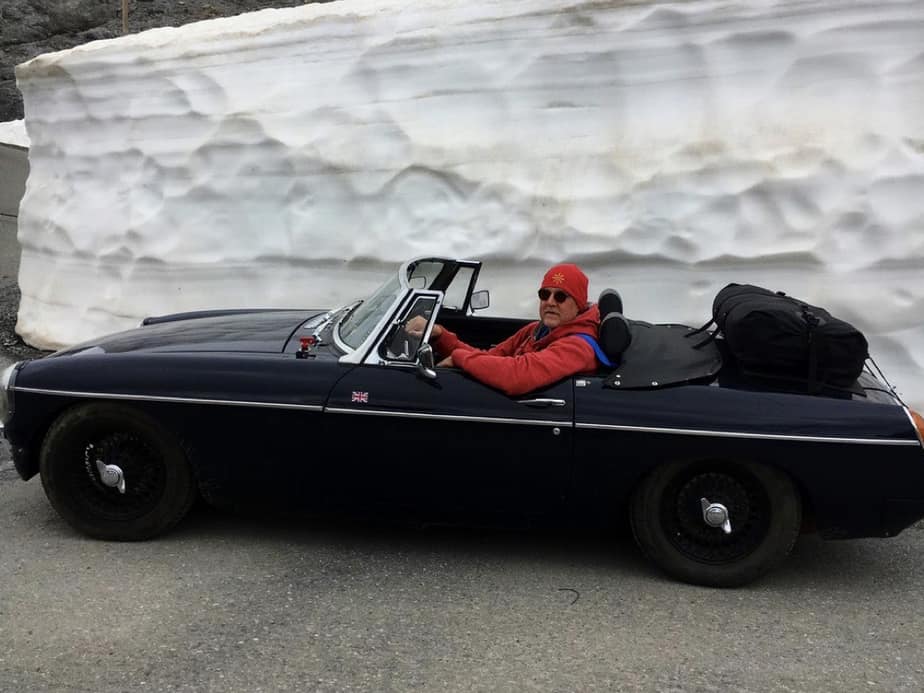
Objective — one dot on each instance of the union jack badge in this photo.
(361, 397)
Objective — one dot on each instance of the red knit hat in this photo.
(570, 279)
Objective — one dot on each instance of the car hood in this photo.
(265, 331)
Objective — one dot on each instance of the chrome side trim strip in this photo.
(178, 400)
(447, 417)
(477, 419)
(758, 436)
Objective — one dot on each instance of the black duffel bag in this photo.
(774, 335)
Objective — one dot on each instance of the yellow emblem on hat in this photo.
(558, 278)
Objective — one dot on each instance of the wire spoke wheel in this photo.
(748, 510)
(715, 522)
(114, 473)
(142, 468)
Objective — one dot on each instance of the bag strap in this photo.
(601, 356)
(700, 330)
(811, 322)
(711, 337)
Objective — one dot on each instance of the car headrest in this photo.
(615, 335)
(609, 302)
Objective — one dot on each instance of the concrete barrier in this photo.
(14, 168)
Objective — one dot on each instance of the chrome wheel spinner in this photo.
(111, 475)
(716, 515)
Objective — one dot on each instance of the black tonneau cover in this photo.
(661, 355)
(667, 354)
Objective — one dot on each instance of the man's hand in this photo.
(446, 363)
(416, 326)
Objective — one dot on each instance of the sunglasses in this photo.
(560, 296)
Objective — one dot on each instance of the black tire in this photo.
(764, 509)
(159, 485)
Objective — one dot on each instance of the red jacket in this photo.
(522, 363)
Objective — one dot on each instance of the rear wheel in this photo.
(716, 523)
(112, 472)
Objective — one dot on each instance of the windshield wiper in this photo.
(347, 311)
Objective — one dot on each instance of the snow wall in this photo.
(295, 157)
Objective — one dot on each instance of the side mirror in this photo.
(480, 300)
(426, 367)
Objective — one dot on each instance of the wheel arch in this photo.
(27, 440)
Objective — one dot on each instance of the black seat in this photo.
(615, 332)
(609, 302)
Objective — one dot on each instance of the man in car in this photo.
(540, 353)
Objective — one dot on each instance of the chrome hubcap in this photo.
(111, 475)
(716, 515)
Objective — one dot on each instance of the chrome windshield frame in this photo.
(361, 353)
(372, 357)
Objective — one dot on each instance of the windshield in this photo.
(358, 324)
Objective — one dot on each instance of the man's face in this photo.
(554, 312)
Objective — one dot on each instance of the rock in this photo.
(31, 27)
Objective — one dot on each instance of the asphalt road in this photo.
(234, 603)
(231, 603)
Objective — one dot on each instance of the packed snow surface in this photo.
(295, 157)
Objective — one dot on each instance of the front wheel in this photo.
(716, 523)
(112, 472)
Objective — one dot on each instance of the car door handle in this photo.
(542, 402)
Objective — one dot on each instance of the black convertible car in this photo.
(717, 472)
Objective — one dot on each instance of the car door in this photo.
(450, 443)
